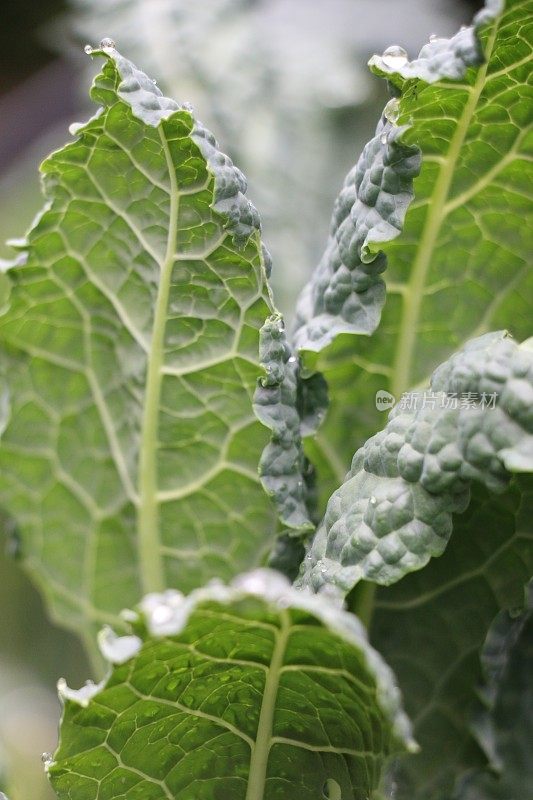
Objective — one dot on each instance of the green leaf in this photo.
(346, 293)
(394, 511)
(460, 266)
(293, 407)
(432, 625)
(249, 692)
(283, 464)
(506, 726)
(131, 353)
(440, 59)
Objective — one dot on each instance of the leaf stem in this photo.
(261, 749)
(412, 299)
(150, 557)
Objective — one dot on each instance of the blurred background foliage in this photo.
(284, 86)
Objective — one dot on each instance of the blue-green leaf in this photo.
(394, 511)
(461, 264)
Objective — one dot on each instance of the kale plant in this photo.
(168, 447)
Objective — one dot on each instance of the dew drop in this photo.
(106, 42)
(392, 110)
(394, 56)
(433, 37)
(47, 760)
(292, 360)
(154, 81)
(383, 138)
(74, 128)
(88, 49)
(373, 501)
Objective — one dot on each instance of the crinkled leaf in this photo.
(346, 293)
(394, 511)
(441, 58)
(460, 266)
(293, 407)
(131, 352)
(431, 627)
(248, 692)
(283, 463)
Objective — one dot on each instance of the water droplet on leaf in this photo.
(88, 49)
(394, 56)
(46, 759)
(392, 110)
(106, 42)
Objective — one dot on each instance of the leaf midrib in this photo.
(413, 297)
(150, 556)
(263, 739)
